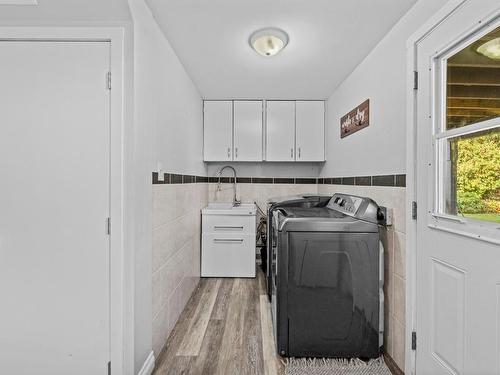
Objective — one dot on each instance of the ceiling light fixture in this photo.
(268, 42)
(490, 49)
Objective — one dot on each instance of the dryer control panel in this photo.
(360, 207)
(345, 203)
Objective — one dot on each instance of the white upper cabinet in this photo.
(233, 130)
(218, 130)
(310, 131)
(280, 131)
(247, 131)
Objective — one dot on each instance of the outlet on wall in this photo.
(159, 167)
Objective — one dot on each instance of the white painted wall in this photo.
(381, 77)
(169, 129)
(169, 102)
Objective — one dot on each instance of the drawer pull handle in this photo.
(228, 240)
(227, 227)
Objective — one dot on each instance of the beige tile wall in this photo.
(176, 248)
(176, 252)
(394, 243)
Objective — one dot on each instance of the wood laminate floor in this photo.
(225, 328)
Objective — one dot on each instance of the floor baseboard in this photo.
(148, 366)
(393, 367)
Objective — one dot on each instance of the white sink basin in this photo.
(227, 208)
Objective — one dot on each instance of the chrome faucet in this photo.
(236, 202)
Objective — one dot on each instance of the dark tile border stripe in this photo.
(281, 180)
(363, 181)
(262, 180)
(394, 180)
(347, 180)
(401, 180)
(176, 179)
(311, 181)
(386, 180)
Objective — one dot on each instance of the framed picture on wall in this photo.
(355, 120)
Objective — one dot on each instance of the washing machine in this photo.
(327, 281)
(304, 201)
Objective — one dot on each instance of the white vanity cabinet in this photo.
(228, 240)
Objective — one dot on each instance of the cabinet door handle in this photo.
(229, 152)
(216, 227)
(299, 152)
(291, 153)
(228, 240)
(236, 149)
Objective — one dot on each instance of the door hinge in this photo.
(414, 210)
(108, 78)
(414, 340)
(415, 80)
(108, 226)
(109, 368)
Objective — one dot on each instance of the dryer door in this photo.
(333, 294)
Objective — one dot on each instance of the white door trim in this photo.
(122, 297)
(411, 226)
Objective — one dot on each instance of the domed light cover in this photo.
(490, 49)
(268, 42)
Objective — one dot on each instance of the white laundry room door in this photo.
(458, 194)
(54, 205)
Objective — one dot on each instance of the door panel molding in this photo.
(448, 282)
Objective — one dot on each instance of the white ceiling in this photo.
(328, 38)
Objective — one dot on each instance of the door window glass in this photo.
(468, 139)
(473, 164)
(473, 82)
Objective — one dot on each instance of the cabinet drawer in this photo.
(228, 255)
(228, 224)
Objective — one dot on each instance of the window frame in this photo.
(485, 230)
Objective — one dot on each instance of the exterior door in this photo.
(310, 137)
(458, 191)
(54, 205)
(248, 130)
(218, 130)
(280, 127)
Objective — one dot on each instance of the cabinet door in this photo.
(280, 131)
(310, 128)
(247, 131)
(218, 130)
